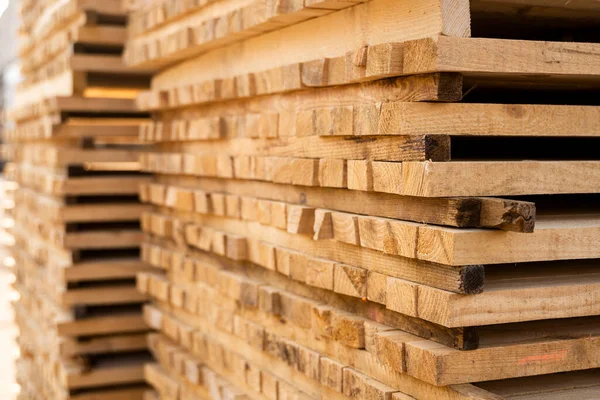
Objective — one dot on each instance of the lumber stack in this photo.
(379, 199)
(74, 155)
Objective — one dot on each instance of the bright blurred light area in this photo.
(9, 262)
(3, 6)
(14, 296)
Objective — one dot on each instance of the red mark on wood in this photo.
(556, 356)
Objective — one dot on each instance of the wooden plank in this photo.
(76, 127)
(64, 157)
(51, 209)
(205, 214)
(67, 103)
(436, 364)
(32, 243)
(558, 295)
(60, 157)
(303, 306)
(104, 344)
(499, 178)
(508, 215)
(114, 238)
(102, 212)
(394, 148)
(508, 58)
(101, 63)
(102, 186)
(429, 87)
(573, 384)
(437, 358)
(463, 279)
(103, 295)
(46, 20)
(61, 85)
(411, 118)
(125, 374)
(442, 53)
(555, 238)
(554, 292)
(157, 377)
(102, 325)
(270, 385)
(407, 383)
(362, 175)
(102, 35)
(452, 212)
(432, 362)
(106, 269)
(437, 17)
(82, 127)
(255, 54)
(459, 212)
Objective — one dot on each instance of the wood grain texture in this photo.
(480, 56)
(406, 21)
(498, 178)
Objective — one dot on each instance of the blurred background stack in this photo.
(73, 150)
(376, 199)
(8, 329)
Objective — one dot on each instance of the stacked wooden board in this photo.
(384, 199)
(74, 154)
(8, 330)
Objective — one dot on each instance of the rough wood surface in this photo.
(552, 240)
(331, 192)
(499, 178)
(74, 149)
(449, 17)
